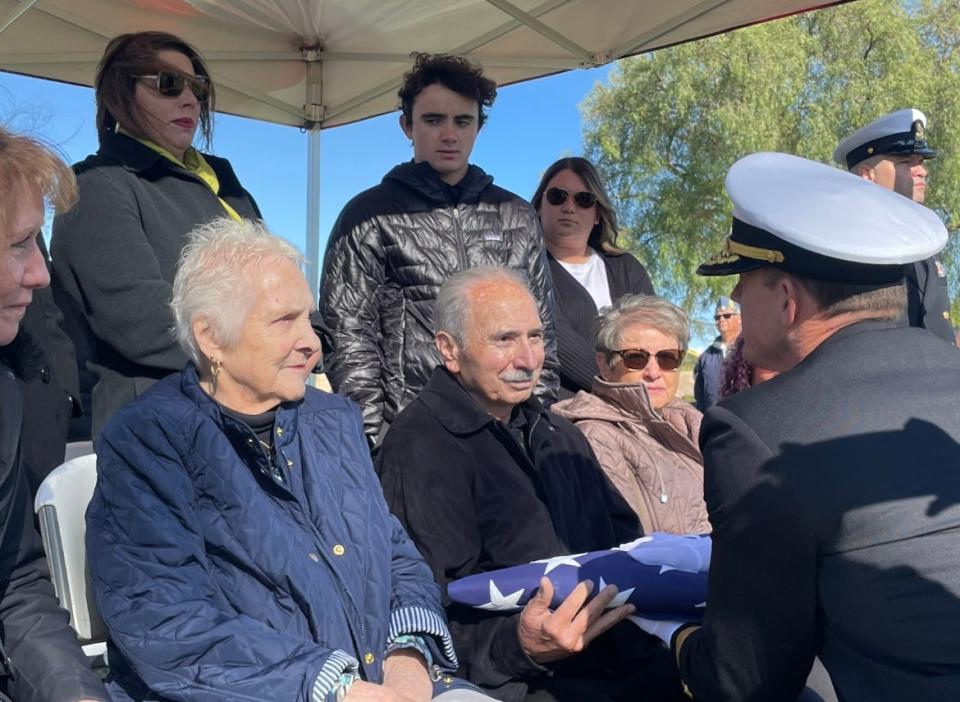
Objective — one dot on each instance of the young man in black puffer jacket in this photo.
(395, 244)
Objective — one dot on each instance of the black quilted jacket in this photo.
(390, 250)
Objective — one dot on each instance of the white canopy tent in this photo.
(322, 63)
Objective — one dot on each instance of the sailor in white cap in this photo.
(834, 488)
(891, 151)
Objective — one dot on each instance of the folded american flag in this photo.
(664, 576)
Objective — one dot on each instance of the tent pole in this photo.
(15, 13)
(313, 209)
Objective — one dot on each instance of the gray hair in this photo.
(644, 310)
(213, 278)
(453, 300)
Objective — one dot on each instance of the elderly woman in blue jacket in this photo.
(240, 546)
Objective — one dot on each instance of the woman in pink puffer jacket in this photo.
(644, 437)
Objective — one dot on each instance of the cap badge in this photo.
(918, 131)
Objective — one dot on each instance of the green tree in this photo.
(669, 124)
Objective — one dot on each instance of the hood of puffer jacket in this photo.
(425, 180)
(629, 402)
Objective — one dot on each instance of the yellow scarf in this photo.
(194, 162)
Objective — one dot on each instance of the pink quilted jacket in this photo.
(652, 459)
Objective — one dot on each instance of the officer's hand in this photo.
(549, 635)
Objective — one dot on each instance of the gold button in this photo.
(339, 550)
(279, 431)
(946, 315)
(289, 463)
(368, 659)
(447, 680)
(314, 557)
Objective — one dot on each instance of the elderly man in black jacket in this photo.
(483, 477)
(41, 661)
(394, 245)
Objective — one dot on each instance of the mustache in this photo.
(518, 376)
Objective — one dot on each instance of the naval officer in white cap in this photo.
(891, 151)
(834, 488)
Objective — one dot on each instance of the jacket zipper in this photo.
(461, 244)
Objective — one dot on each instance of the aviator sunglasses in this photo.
(637, 359)
(725, 315)
(171, 84)
(583, 199)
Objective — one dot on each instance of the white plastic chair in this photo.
(75, 449)
(61, 504)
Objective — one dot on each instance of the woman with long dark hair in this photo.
(589, 271)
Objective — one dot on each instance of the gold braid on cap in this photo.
(754, 252)
(732, 251)
(725, 255)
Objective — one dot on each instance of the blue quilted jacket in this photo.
(216, 583)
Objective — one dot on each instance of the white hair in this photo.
(213, 278)
(640, 310)
(454, 298)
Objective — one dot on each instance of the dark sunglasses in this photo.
(583, 199)
(171, 84)
(637, 359)
(727, 315)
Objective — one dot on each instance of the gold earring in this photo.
(217, 366)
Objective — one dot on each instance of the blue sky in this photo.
(530, 126)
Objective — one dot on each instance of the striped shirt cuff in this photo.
(332, 676)
(422, 621)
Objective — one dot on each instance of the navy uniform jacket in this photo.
(834, 494)
(928, 300)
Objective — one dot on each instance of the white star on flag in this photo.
(558, 561)
(622, 595)
(632, 544)
(499, 601)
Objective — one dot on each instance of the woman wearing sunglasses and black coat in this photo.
(644, 437)
(588, 270)
(115, 253)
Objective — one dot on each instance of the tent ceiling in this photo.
(330, 62)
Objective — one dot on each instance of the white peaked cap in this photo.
(900, 132)
(821, 222)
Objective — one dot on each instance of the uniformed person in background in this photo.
(891, 151)
(834, 488)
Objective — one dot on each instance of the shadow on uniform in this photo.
(888, 535)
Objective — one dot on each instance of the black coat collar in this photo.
(457, 411)
(130, 153)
